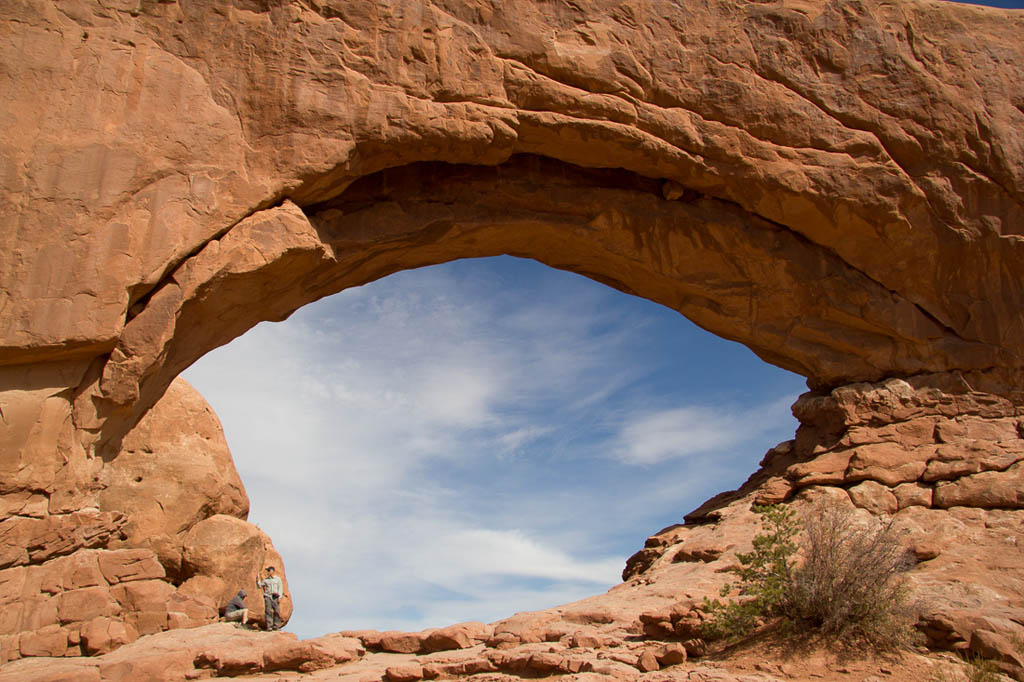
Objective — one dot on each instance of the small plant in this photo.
(764, 575)
(982, 670)
(845, 586)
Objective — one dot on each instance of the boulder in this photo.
(401, 642)
(132, 564)
(990, 489)
(459, 636)
(234, 552)
(672, 653)
(103, 635)
(407, 672)
(167, 479)
(995, 646)
(913, 494)
(874, 497)
(648, 661)
(887, 463)
(86, 603)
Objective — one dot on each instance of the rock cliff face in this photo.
(837, 185)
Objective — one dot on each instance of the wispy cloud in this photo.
(680, 432)
(462, 442)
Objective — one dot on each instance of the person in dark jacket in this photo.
(235, 610)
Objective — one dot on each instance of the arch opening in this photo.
(471, 440)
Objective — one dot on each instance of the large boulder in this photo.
(222, 555)
(173, 471)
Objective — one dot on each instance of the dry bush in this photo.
(842, 581)
(849, 584)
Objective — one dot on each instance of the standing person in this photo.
(272, 588)
(235, 610)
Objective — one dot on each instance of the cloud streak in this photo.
(681, 432)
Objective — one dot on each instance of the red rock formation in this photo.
(168, 503)
(167, 479)
(836, 185)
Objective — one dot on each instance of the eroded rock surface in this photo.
(174, 470)
(154, 539)
(837, 185)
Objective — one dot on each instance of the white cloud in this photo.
(486, 552)
(670, 434)
(513, 440)
(681, 432)
(457, 395)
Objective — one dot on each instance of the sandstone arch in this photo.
(836, 185)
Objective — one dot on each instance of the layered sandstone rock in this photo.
(174, 470)
(939, 461)
(848, 209)
(151, 540)
(836, 185)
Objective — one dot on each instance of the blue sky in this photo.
(479, 438)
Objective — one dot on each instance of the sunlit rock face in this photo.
(838, 186)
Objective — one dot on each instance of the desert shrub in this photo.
(846, 583)
(849, 581)
(982, 670)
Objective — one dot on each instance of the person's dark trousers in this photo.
(273, 614)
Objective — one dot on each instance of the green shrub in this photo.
(764, 575)
(846, 584)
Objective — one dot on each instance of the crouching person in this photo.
(235, 610)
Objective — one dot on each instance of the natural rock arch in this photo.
(836, 185)
(897, 217)
(748, 279)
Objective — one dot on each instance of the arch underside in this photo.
(795, 303)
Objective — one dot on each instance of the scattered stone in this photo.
(647, 662)
(673, 653)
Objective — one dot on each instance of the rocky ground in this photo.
(618, 635)
(223, 651)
